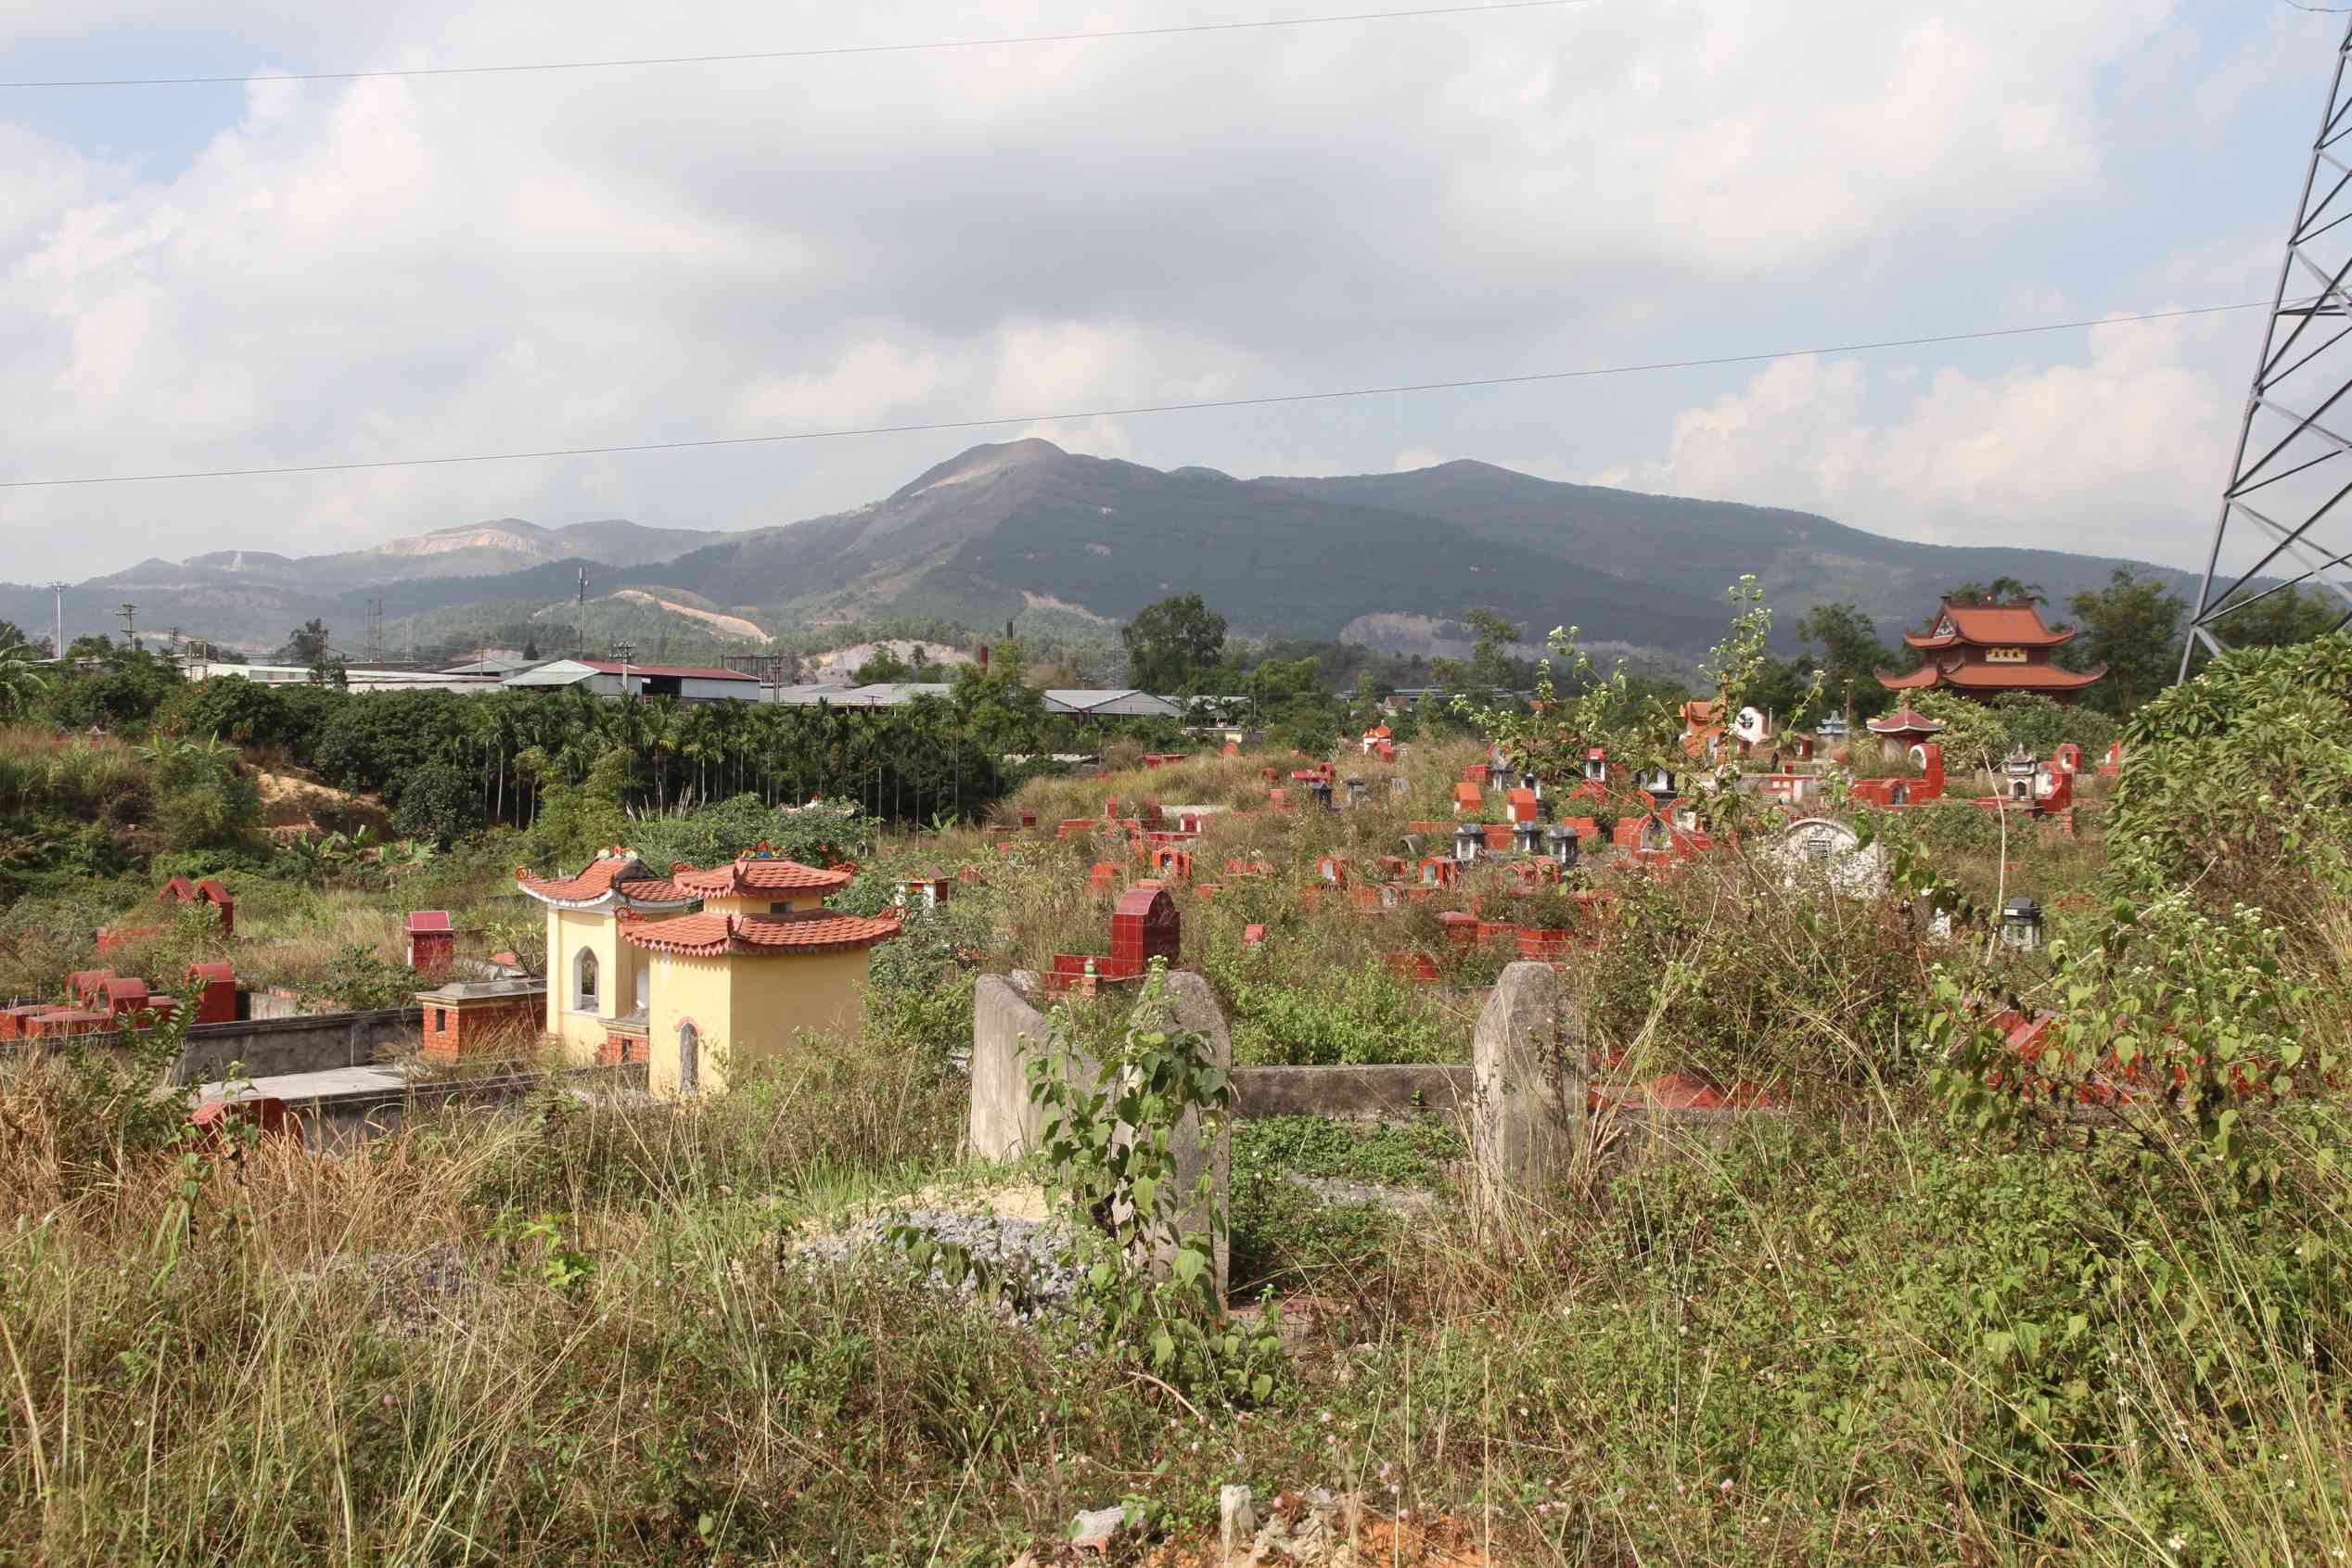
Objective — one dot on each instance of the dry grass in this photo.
(573, 1333)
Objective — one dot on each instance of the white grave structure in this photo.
(1818, 852)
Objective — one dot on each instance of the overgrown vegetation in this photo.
(2079, 1300)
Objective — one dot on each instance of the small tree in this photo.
(2134, 627)
(1171, 645)
(442, 802)
(1111, 1140)
(307, 645)
(1848, 652)
(1641, 730)
(20, 680)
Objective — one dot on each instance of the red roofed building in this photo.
(1901, 729)
(1984, 650)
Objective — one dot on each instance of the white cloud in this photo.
(459, 264)
(874, 374)
(2121, 453)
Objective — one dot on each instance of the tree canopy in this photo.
(1845, 645)
(307, 645)
(1172, 645)
(1999, 590)
(2274, 621)
(2134, 626)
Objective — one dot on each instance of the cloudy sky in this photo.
(285, 273)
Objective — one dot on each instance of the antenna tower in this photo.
(2279, 488)
(57, 649)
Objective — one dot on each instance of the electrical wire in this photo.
(1268, 401)
(827, 52)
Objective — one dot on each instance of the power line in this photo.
(1265, 401)
(829, 52)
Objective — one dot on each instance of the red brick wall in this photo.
(619, 1050)
(485, 1028)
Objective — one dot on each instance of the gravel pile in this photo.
(1026, 1264)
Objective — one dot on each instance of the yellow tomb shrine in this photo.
(633, 977)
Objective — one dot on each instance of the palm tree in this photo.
(19, 682)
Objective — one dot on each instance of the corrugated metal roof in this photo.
(561, 672)
(1126, 702)
(683, 671)
(807, 695)
(890, 693)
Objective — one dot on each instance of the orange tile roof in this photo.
(614, 873)
(1904, 720)
(1963, 676)
(2026, 677)
(1991, 625)
(805, 931)
(761, 870)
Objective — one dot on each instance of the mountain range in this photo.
(1025, 528)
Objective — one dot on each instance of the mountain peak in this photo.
(510, 534)
(984, 462)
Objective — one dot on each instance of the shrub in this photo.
(1548, 909)
(1359, 1014)
(2239, 784)
(2041, 725)
(362, 979)
(441, 802)
(2196, 1032)
(823, 833)
(1723, 970)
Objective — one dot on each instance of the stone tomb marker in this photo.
(1528, 1090)
(1821, 852)
(1005, 1124)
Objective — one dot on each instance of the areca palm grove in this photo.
(910, 763)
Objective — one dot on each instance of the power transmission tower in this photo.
(2280, 488)
(130, 624)
(375, 632)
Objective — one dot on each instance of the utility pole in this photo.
(130, 624)
(58, 650)
(622, 651)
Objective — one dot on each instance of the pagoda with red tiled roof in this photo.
(1984, 650)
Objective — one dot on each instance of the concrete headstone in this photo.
(1006, 1032)
(1527, 1123)
(1819, 852)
